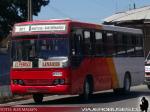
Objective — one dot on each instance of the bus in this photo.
(63, 56)
(147, 70)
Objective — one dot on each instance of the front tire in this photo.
(38, 98)
(118, 90)
(87, 90)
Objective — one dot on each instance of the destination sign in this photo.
(49, 64)
(22, 64)
(22, 28)
(40, 28)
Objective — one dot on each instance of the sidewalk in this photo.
(14, 98)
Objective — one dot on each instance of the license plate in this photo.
(35, 90)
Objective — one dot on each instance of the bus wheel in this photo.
(117, 90)
(127, 83)
(148, 86)
(87, 90)
(38, 98)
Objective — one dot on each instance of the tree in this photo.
(13, 11)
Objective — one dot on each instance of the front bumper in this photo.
(58, 89)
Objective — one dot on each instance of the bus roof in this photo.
(73, 22)
(122, 29)
(43, 21)
(83, 24)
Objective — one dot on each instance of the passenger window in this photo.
(139, 46)
(98, 43)
(110, 48)
(87, 43)
(130, 45)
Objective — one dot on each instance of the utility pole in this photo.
(29, 5)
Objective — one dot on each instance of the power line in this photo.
(60, 12)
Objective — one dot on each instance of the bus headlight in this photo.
(59, 81)
(57, 73)
(56, 81)
(15, 82)
(20, 82)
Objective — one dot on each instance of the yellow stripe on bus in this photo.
(113, 72)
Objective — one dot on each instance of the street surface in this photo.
(105, 99)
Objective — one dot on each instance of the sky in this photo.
(93, 11)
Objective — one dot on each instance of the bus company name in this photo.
(40, 28)
(22, 64)
(46, 64)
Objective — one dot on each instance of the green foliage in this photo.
(13, 11)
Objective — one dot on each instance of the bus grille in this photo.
(38, 82)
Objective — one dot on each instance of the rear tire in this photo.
(38, 98)
(127, 84)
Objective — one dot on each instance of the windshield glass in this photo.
(44, 48)
(24, 49)
(53, 48)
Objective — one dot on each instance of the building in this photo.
(136, 18)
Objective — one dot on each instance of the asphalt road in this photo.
(102, 101)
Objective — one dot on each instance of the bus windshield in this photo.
(53, 48)
(43, 48)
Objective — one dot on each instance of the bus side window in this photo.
(78, 47)
(98, 43)
(120, 51)
(110, 48)
(76, 42)
(115, 43)
(124, 43)
(87, 43)
(130, 45)
(139, 46)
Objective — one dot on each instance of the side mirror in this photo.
(73, 52)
